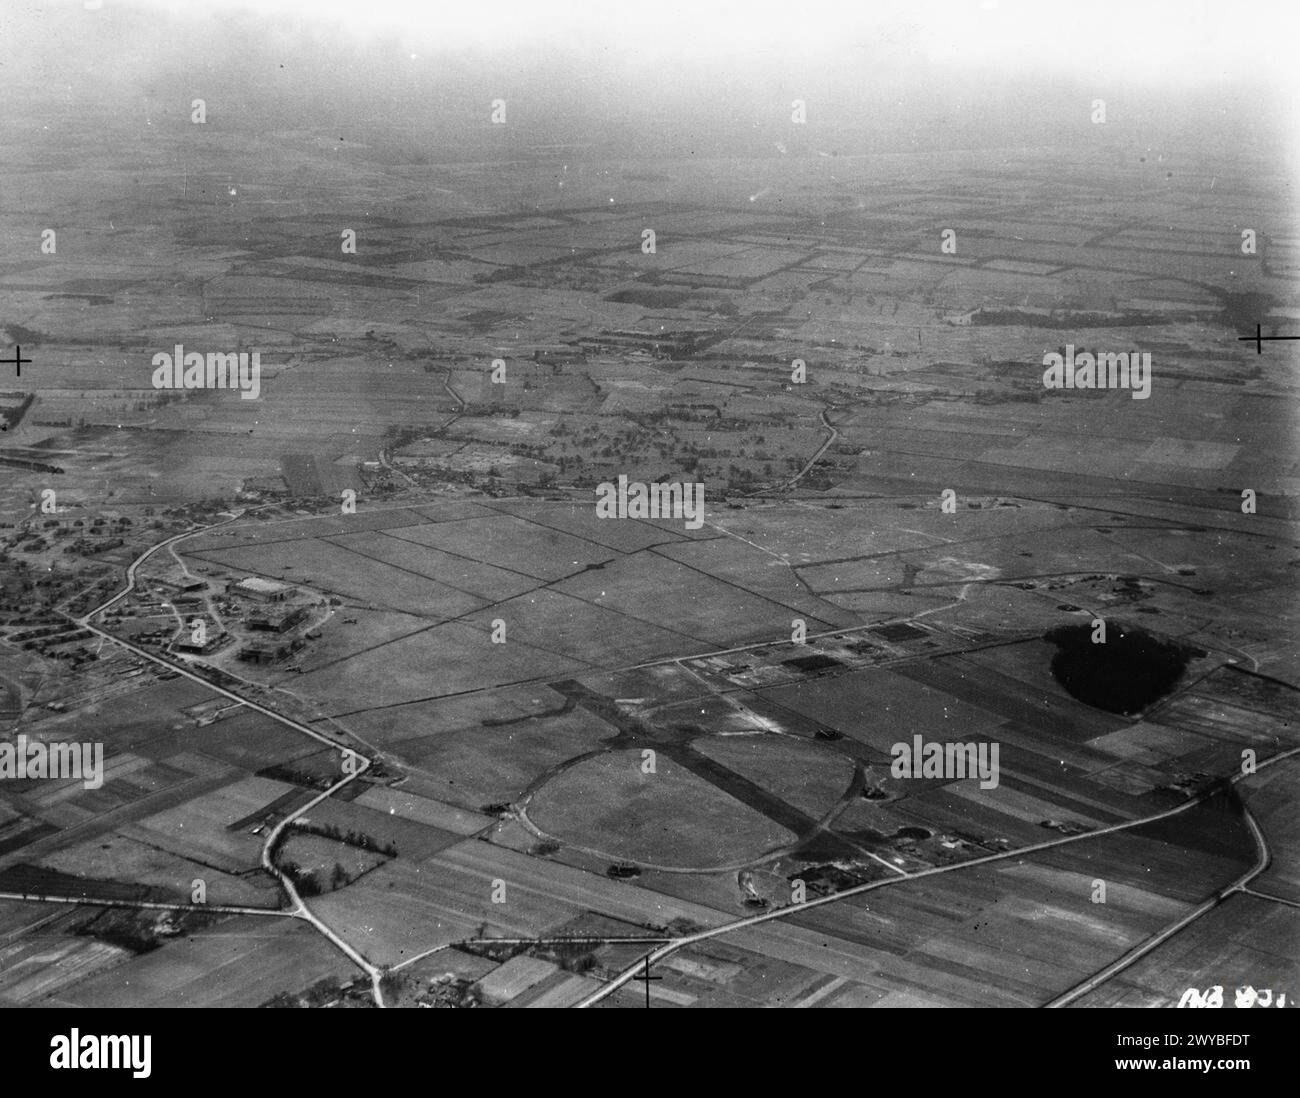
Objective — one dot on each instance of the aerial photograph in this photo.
(606, 505)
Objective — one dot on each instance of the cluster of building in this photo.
(272, 617)
(270, 614)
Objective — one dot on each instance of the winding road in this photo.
(361, 764)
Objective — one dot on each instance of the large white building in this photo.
(259, 589)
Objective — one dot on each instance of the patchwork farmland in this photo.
(959, 690)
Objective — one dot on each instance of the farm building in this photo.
(272, 649)
(276, 621)
(259, 589)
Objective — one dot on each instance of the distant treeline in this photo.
(1005, 317)
(34, 466)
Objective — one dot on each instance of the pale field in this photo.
(240, 962)
(469, 765)
(670, 818)
(444, 659)
(808, 776)
(120, 858)
(198, 828)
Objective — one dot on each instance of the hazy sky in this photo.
(1184, 40)
(882, 75)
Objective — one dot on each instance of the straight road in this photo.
(755, 920)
